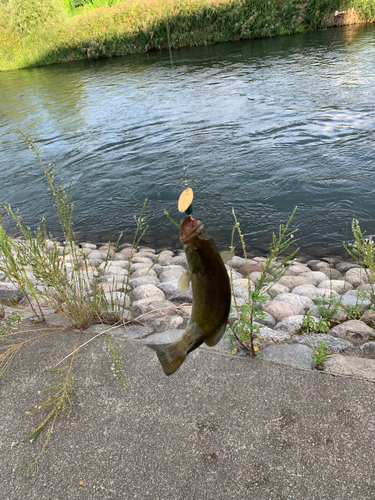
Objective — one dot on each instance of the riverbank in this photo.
(137, 27)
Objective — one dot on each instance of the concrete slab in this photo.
(221, 427)
(350, 365)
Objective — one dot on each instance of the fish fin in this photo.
(215, 337)
(183, 282)
(169, 356)
(226, 255)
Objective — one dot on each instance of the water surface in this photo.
(263, 126)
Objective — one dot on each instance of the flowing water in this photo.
(263, 126)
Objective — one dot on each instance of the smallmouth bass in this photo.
(211, 297)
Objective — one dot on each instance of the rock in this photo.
(352, 366)
(368, 349)
(296, 300)
(171, 273)
(297, 355)
(148, 290)
(297, 269)
(270, 336)
(96, 254)
(91, 246)
(180, 260)
(314, 277)
(281, 309)
(7, 286)
(149, 307)
(165, 337)
(117, 299)
(356, 276)
(111, 286)
(317, 265)
(314, 293)
(342, 267)
(139, 259)
(243, 283)
(268, 321)
(290, 325)
(368, 317)
(161, 323)
(139, 265)
(353, 330)
(276, 289)
(2, 276)
(143, 280)
(332, 274)
(339, 286)
(335, 345)
(172, 292)
(353, 301)
(332, 260)
(10, 296)
(294, 281)
(133, 332)
(143, 272)
(126, 252)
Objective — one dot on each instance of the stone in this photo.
(276, 289)
(172, 292)
(335, 345)
(139, 259)
(268, 321)
(161, 323)
(165, 337)
(317, 266)
(296, 269)
(352, 330)
(148, 290)
(368, 349)
(368, 317)
(143, 280)
(353, 301)
(314, 277)
(270, 336)
(282, 309)
(332, 260)
(139, 265)
(96, 254)
(297, 355)
(149, 307)
(356, 276)
(10, 296)
(143, 249)
(2, 276)
(126, 252)
(339, 286)
(180, 260)
(290, 325)
(143, 272)
(351, 366)
(133, 332)
(117, 298)
(171, 273)
(296, 300)
(90, 246)
(342, 267)
(332, 273)
(294, 281)
(314, 293)
(7, 286)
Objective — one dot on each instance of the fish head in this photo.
(198, 245)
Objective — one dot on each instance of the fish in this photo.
(211, 297)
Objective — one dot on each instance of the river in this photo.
(262, 125)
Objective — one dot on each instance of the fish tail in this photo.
(170, 356)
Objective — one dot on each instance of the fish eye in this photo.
(196, 250)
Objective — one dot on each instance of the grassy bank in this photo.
(69, 34)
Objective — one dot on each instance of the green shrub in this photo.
(28, 15)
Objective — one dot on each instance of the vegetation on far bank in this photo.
(36, 33)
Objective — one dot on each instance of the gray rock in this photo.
(290, 325)
(353, 301)
(314, 293)
(339, 286)
(270, 336)
(4, 285)
(148, 290)
(268, 321)
(117, 299)
(294, 281)
(171, 273)
(235, 274)
(148, 308)
(281, 309)
(296, 300)
(356, 276)
(133, 332)
(317, 265)
(353, 330)
(172, 292)
(161, 323)
(332, 260)
(276, 289)
(180, 260)
(297, 269)
(143, 280)
(314, 277)
(143, 272)
(10, 296)
(350, 365)
(332, 273)
(335, 345)
(297, 355)
(136, 266)
(2, 276)
(96, 254)
(165, 337)
(141, 259)
(368, 349)
(342, 267)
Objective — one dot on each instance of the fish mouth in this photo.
(189, 228)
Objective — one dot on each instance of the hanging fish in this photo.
(211, 296)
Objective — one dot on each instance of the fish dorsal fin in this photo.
(216, 337)
(183, 282)
(226, 255)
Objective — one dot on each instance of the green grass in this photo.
(92, 32)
